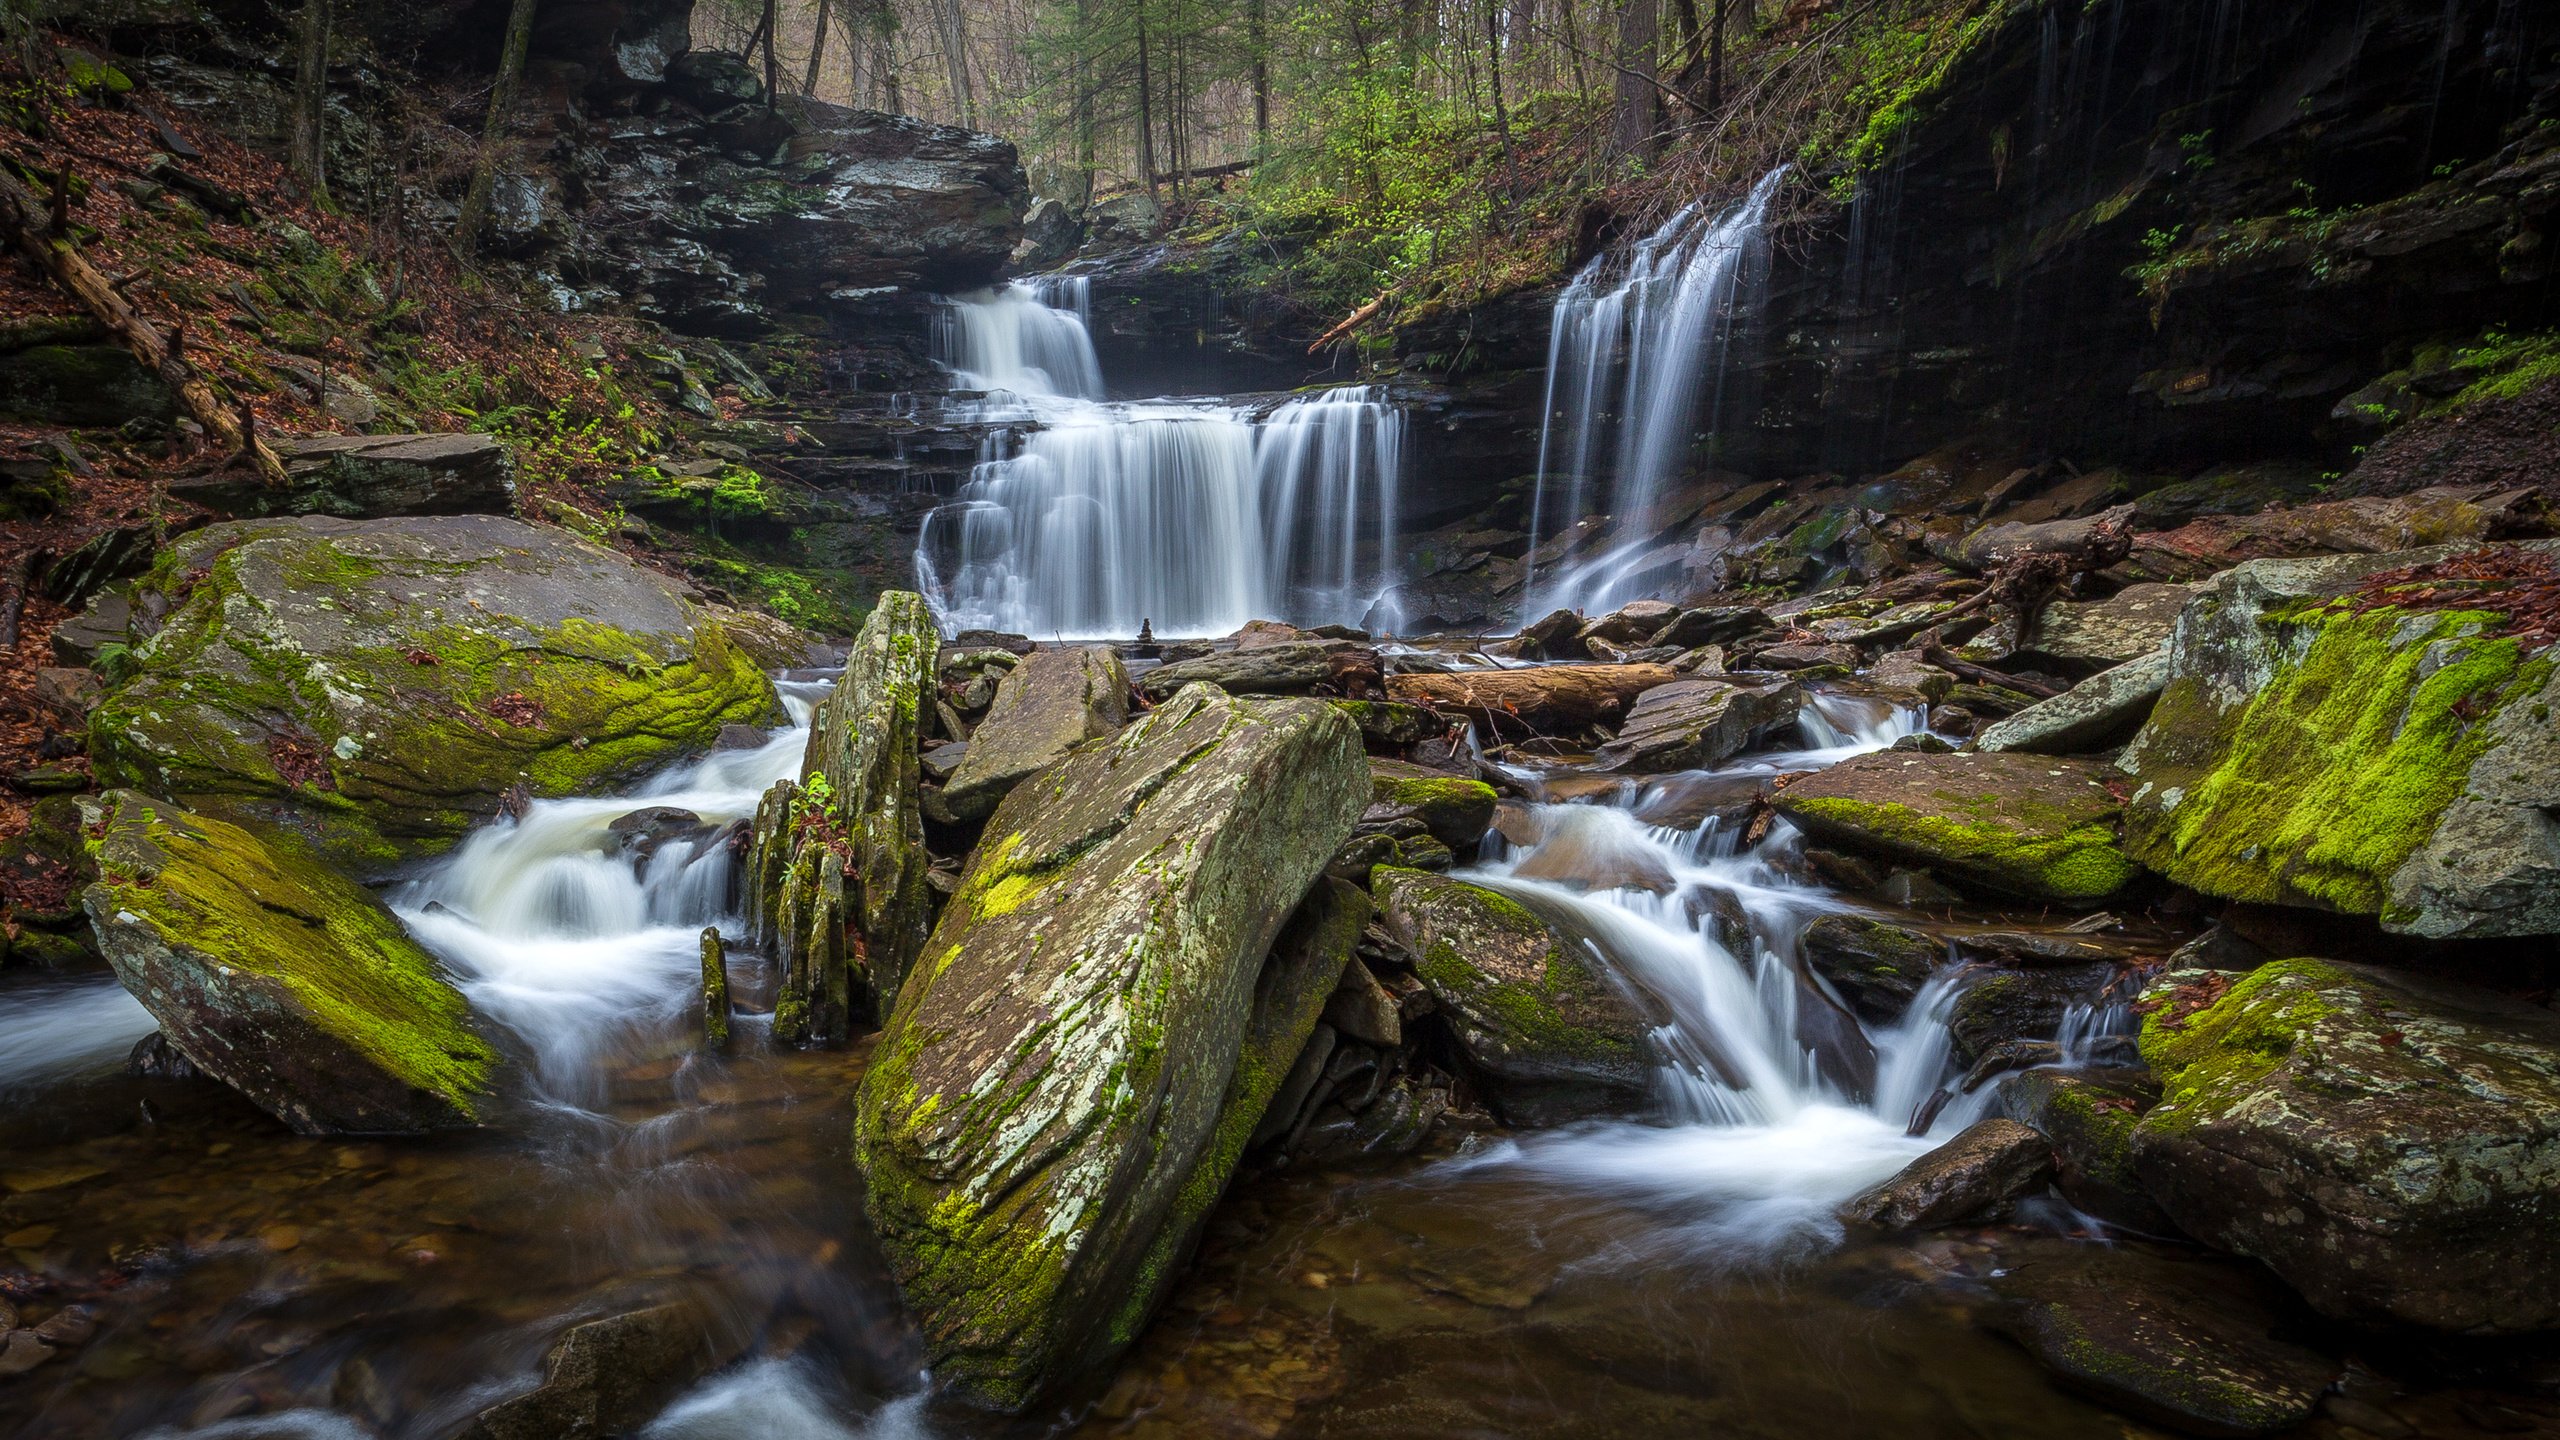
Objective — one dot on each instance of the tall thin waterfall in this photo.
(1632, 351)
(1084, 518)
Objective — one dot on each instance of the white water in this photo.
(782, 1400)
(1632, 351)
(1761, 1140)
(1085, 519)
(55, 1031)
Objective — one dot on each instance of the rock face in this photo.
(1046, 1118)
(2324, 741)
(2389, 1146)
(377, 686)
(369, 477)
(1976, 1176)
(2108, 707)
(2016, 824)
(277, 977)
(1698, 724)
(1052, 702)
(1537, 1018)
(837, 865)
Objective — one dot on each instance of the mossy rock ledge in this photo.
(2030, 826)
(2390, 1146)
(1062, 1091)
(377, 686)
(2366, 758)
(279, 977)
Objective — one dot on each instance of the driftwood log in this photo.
(1543, 699)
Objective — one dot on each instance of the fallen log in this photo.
(1541, 700)
(1351, 322)
(26, 223)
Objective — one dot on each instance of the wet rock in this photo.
(1629, 625)
(1686, 801)
(643, 833)
(1004, 640)
(68, 1328)
(1557, 634)
(1876, 966)
(1286, 1064)
(1055, 700)
(739, 737)
(378, 686)
(2015, 824)
(715, 991)
(1295, 667)
(154, 1058)
(2106, 709)
(2001, 1007)
(1048, 234)
(2386, 761)
(2385, 1143)
(1549, 1031)
(1262, 634)
(2133, 623)
(1591, 848)
(607, 1377)
(1546, 699)
(1698, 724)
(280, 979)
(1976, 1176)
(370, 477)
(2191, 1344)
(1047, 1115)
(1387, 725)
(1456, 812)
(21, 1352)
(1361, 1009)
(2090, 1116)
(1794, 656)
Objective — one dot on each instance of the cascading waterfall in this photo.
(1086, 519)
(1651, 339)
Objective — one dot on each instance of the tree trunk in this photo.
(1638, 113)
(502, 103)
(772, 28)
(29, 225)
(1715, 58)
(1257, 39)
(955, 50)
(817, 50)
(1544, 700)
(1146, 108)
(311, 102)
(1501, 116)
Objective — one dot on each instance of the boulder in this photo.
(1125, 220)
(1549, 1031)
(2105, 709)
(2332, 736)
(1294, 667)
(609, 1376)
(1048, 234)
(1876, 966)
(2364, 525)
(2126, 626)
(1993, 546)
(1998, 1007)
(377, 686)
(1977, 1175)
(2090, 1116)
(2041, 829)
(2389, 1145)
(1055, 700)
(1712, 625)
(88, 385)
(271, 973)
(2191, 1343)
(369, 477)
(1699, 724)
(78, 639)
(1387, 725)
(1545, 699)
(1455, 811)
(1048, 1113)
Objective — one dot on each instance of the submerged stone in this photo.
(281, 979)
(1056, 1097)
(2042, 829)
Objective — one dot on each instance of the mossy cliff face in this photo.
(2026, 825)
(2378, 761)
(280, 978)
(1553, 1034)
(1061, 1059)
(2388, 1146)
(377, 686)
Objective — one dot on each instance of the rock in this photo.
(1388, 725)
(1048, 234)
(607, 1377)
(2090, 1116)
(1905, 670)
(776, 644)
(21, 1352)
(739, 737)
(78, 639)
(1558, 633)
(1052, 702)
(69, 1327)
(1713, 625)
(369, 477)
(1699, 724)
(642, 833)
(280, 979)
(1004, 640)
(1590, 848)
(1262, 634)
(1362, 1009)
(1124, 220)
(2020, 825)
(1632, 624)
(2132, 624)
(1457, 812)
(836, 867)
(2103, 710)
(1047, 1116)
(1802, 657)
(2390, 761)
(2365, 525)
(1877, 967)
(1997, 1008)
(2385, 1143)
(377, 686)
(2187, 1343)
(1976, 1176)
(1290, 668)
(82, 385)
(154, 1058)
(1549, 1031)
(68, 695)
(715, 991)
(1993, 546)
(1545, 699)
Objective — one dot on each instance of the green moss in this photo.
(2338, 769)
(1533, 1015)
(2005, 848)
(2212, 1059)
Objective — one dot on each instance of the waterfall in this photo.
(53, 1031)
(1653, 340)
(1085, 518)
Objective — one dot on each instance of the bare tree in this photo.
(817, 49)
(1638, 112)
(502, 103)
(310, 149)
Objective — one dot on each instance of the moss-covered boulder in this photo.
(2389, 1146)
(280, 978)
(1456, 810)
(1551, 1032)
(1048, 1111)
(2023, 825)
(2090, 1115)
(1055, 700)
(378, 686)
(2363, 733)
(1876, 966)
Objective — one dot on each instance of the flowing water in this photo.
(1087, 518)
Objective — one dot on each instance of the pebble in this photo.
(23, 1352)
(70, 1327)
